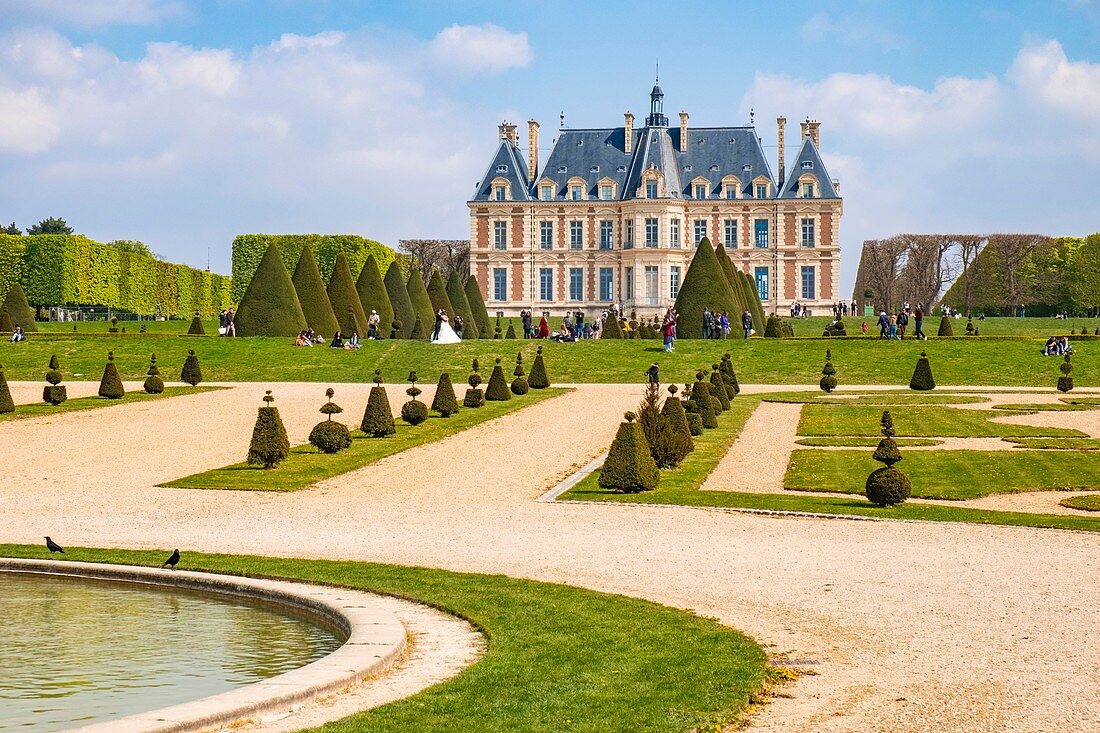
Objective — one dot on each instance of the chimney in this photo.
(815, 133)
(805, 129)
(532, 150)
(683, 131)
(781, 123)
(507, 131)
(629, 133)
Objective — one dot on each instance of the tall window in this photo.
(629, 234)
(700, 230)
(576, 283)
(605, 192)
(673, 281)
(546, 193)
(500, 283)
(546, 234)
(761, 190)
(808, 288)
(607, 234)
(674, 233)
(700, 191)
(808, 233)
(762, 282)
(760, 229)
(499, 193)
(546, 283)
(500, 234)
(651, 232)
(576, 193)
(651, 189)
(576, 234)
(629, 285)
(807, 190)
(731, 191)
(730, 229)
(606, 290)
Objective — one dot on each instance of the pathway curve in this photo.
(757, 460)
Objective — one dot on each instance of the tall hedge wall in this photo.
(249, 248)
(68, 269)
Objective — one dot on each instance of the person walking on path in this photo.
(918, 321)
(653, 373)
(372, 325)
(883, 325)
(903, 322)
(746, 324)
(668, 330)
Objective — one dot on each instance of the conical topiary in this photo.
(19, 310)
(196, 329)
(729, 377)
(477, 306)
(945, 327)
(437, 294)
(1065, 382)
(310, 288)
(718, 387)
(695, 423)
(629, 468)
(497, 333)
(153, 383)
(828, 373)
(497, 391)
(414, 411)
(345, 300)
(739, 303)
(329, 436)
(417, 331)
(752, 295)
(519, 384)
(399, 299)
(649, 416)
(191, 372)
(705, 286)
(54, 392)
(970, 325)
(421, 303)
(270, 305)
(110, 386)
(511, 330)
(701, 396)
(475, 396)
(456, 294)
(611, 328)
(372, 294)
(270, 445)
(922, 374)
(378, 418)
(7, 325)
(674, 440)
(538, 378)
(7, 404)
(445, 402)
(887, 486)
(774, 327)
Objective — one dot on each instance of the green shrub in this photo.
(629, 468)
(774, 328)
(611, 328)
(421, 303)
(310, 289)
(828, 373)
(1065, 382)
(20, 311)
(922, 375)
(270, 445)
(417, 331)
(887, 486)
(477, 305)
(437, 294)
(701, 396)
(519, 384)
(7, 325)
(196, 329)
(153, 383)
(373, 296)
(378, 418)
(414, 411)
(54, 393)
(457, 295)
(511, 331)
(649, 416)
(729, 377)
(945, 327)
(403, 311)
(270, 306)
(695, 423)
(970, 325)
(7, 404)
(475, 396)
(110, 386)
(328, 436)
(445, 402)
(674, 439)
(191, 372)
(739, 302)
(497, 391)
(538, 378)
(345, 300)
(705, 286)
(718, 388)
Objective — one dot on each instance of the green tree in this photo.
(477, 306)
(373, 295)
(456, 294)
(11, 229)
(310, 289)
(191, 372)
(1085, 276)
(421, 303)
(133, 246)
(344, 298)
(270, 306)
(403, 311)
(629, 468)
(269, 445)
(705, 286)
(53, 225)
(437, 294)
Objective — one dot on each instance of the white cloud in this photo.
(90, 13)
(482, 48)
(295, 42)
(1044, 73)
(27, 123)
(851, 31)
(169, 66)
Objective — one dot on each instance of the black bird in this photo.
(171, 562)
(53, 546)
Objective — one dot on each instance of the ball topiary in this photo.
(414, 411)
(114, 325)
(718, 388)
(511, 331)
(701, 396)
(887, 486)
(54, 393)
(945, 327)
(153, 383)
(329, 436)
(191, 372)
(270, 444)
(1065, 382)
(110, 385)
(378, 418)
(475, 396)
(674, 438)
(922, 375)
(828, 373)
(497, 391)
(196, 329)
(444, 401)
(538, 378)
(729, 377)
(629, 467)
(496, 330)
(7, 404)
(519, 384)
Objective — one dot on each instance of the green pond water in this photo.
(75, 651)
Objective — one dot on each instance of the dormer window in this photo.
(563, 169)
(499, 193)
(651, 189)
(605, 192)
(807, 165)
(576, 193)
(700, 191)
(502, 169)
(546, 192)
(500, 190)
(761, 190)
(747, 167)
(594, 169)
(807, 190)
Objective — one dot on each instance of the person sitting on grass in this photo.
(302, 340)
(863, 328)
(1051, 347)
(337, 341)
(564, 335)
(353, 342)
(18, 335)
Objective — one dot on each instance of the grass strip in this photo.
(1057, 443)
(873, 398)
(559, 658)
(1046, 407)
(305, 465)
(919, 421)
(1087, 502)
(79, 404)
(848, 442)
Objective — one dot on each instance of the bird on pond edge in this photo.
(171, 561)
(53, 546)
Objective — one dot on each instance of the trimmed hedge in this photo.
(345, 299)
(270, 306)
(403, 311)
(372, 294)
(705, 286)
(471, 329)
(629, 468)
(310, 288)
(477, 306)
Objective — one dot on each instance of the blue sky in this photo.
(183, 123)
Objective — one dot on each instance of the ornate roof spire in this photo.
(656, 104)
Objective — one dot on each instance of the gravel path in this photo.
(909, 626)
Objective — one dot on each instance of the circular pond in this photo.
(77, 651)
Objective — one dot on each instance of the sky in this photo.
(182, 123)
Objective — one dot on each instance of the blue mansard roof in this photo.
(508, 164)
(808, 161)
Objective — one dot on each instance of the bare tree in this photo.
(969, 246)
(1012, 263)
(880, 266)
(446, 255)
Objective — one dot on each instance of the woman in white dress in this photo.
(447, 334)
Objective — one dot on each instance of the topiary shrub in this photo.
(6, 323)
(456, 293)
(395, 329)
(649, 416)
(519, 384)
(718, 388)
(945, 327)
(828, 373)
(114, 326)
(705, 285)
(19, 310)
(270, 445)
(835, 329)
(345, 298)
(192, 372)
(403, 312)
(497, 391)
(477, 305)
(270, 304)
(695, 423)
(378, 418)
(611, 328)
(475, 396)
(1065, 382)
(7, 404)
(417, 330)
(538, 378)
(110, 385)
(328, 436)
(374, 296)
(701, 396)
(310, 289)
(414, 411)
(196, 329)
(437, 294)
(444, 401)
(496, 330)
(511, 330)
(922, 375)
(153, 383)
(674, 438)
(774, 328)
(970, 325)
(887, 486)
(629, 468)
(418, 297)
(54, 393)
(729, 377)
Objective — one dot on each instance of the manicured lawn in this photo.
(946, 474)
(931, 422)
(993, 326)
(1057, 443)
(1045, 406)
(306, 465)
(1089, 503)
(863, 442)
(886, 398)
(757, 361)
(91, 328)
(91, 403)
(559, 658)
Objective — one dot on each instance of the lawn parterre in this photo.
(919, 421)
(559, 658)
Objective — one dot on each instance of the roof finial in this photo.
(657, 78)
(752, 116)
(561, 120)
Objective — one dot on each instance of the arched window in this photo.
(731, 187)
(501, 190)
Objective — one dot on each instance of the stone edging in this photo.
(375, 640)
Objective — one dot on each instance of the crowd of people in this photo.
(226, 325)
(893, 326)
(311, 338)
(841, 309)
(1057, 346)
